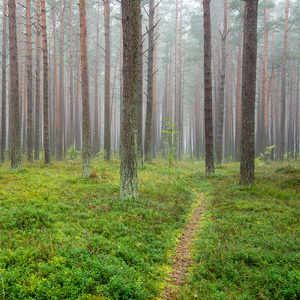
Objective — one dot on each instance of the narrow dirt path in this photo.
(182, 261)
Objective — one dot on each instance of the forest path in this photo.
(182, 260)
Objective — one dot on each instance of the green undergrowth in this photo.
(65, 237)
(248, 245)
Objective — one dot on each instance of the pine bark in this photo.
(96, 144)
(61, 100)
(283, 79)
(38, 84)
(209, 143)
(107, 108)
(46, 85)
(14, 88)
(149, 110)
(71, 78)
(140, 100)
(86, 141)
(131, 29)
(248, 92)
(219, 141)
(29, 85)
(3, 120)
(239, 97)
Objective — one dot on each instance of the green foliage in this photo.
(248, 246)
(67, 237)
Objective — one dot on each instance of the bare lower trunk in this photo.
(4, 115)
(107, 122)
(14, 88)
(248, 92)
(148, 125)
(86, 142)
(131, 29)
(209, 144)
(46, 85)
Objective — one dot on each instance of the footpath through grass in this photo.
(249, 243)
(65, 237)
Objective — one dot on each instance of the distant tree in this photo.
(3, 129)
(107, 105)
(29, 84)
(209, 142)
(38, 83)
(131, 29)
(149, 109)
(86, 140)
(140, 100)
(220, 126)
(283, 91)
(248, 92)
(15, 134)
(46, 84)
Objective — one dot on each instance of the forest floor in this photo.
(65, 237)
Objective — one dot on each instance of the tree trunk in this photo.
(3, 129)
(209, 143)
(297, 138)
(238, 125)
(38, 84)
(131, 29)
(148, 125)
(96, 143)
(46, 85)
(248, 92)
(219, 142)
(29, 85)
(283, 92)
(265, 91)
(140, 100)
(61, 86)
(107, 123)
(155, 102)
(71, 78)
(14, 87)
(86, 141)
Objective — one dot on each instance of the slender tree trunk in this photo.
(272, 87)
(209, 143)
(38, 84)
(14, 88)
(96, 144)
(297, 138)
(148, 125)
(283, 91)
(4, 114)
(29, 85)
(71, 77)
(46, 85)
(155, 102)
(131, 29)
(107, 123)
(248, 92)
(265, 88)
(219, 141)
(61, 86)
(140, 100)
(86, 141)
(238, 125)
(55, 84)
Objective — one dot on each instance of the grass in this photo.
(65, 237)
(248, 246)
